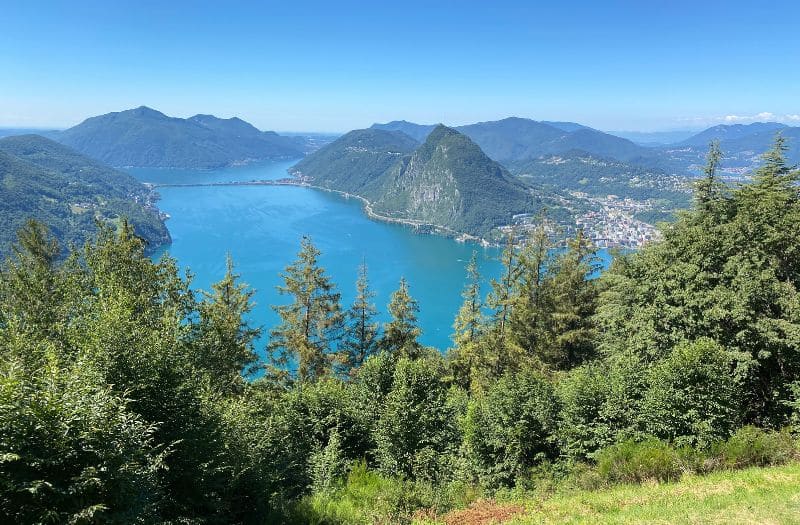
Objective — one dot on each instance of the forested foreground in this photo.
(128, 397)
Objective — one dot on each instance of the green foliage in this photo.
(417, 432)
(43, 180)
(71, 450)
(754, 447)
(636, 462)
(692, 397)
(361, 338)
(311, 323)
(727, 271)
(401, 333)
(510, 429)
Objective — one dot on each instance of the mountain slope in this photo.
(357, 161)
(447, 181)
(144, 137)
(732, 132)
(418, 132)
(67, 191)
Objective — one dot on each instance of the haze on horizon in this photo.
(321, 66)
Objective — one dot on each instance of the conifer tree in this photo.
(573, 301)
(361, 340)
(468, 327)
(528, 321)
(311, 324)
(401, 333)
(501, 296)
(709, 189)
(226, 338)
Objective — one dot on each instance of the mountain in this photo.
(597, 177)
(733, 132)
(447, 181)
(68, 191)
(418, 132)
(654, 138)
(516, 139)
(357, 161)
(144, 137)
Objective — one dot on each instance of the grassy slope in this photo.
(756, 495)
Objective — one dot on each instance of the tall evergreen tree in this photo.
(468, 327)
(528, 321)
(500, 298)
(401, 333)
(361, 339)
(226, 339)
(709, 189)
(573, 298)
(311, 324)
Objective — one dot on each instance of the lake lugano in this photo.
(261, 227)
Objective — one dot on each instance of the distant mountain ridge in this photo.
(144, 137)
(45, 180)
(447, 181)
(515, 139)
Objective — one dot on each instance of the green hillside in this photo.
(144, 137)
(447, 181)
(67, 191)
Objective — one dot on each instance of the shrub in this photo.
(635, 462)
(71, 451)
(510, 428)
(693, 398)
(754, 447)
(417, 434)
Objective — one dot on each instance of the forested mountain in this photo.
(144, 137)
(600, 177)
(69, 192)
(447, 181)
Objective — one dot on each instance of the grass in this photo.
(755, 495)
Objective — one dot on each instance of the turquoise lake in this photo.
(261, 227)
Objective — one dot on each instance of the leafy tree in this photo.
(311, 324)
(361, 339)
(401, 333)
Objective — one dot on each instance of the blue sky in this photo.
(339, 65)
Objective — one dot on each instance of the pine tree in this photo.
(573, 302)
(401, 333)
(501, 296)
(528, 321)
(361, 340)
(310, 325)
(468, 327)
(226, 339)
(709, 189)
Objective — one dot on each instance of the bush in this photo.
(510, 429)
(692, 398)
(366, 497)
(754, 447)
(635, 462)
(417, 434)
(71, 451)
(599, 403)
